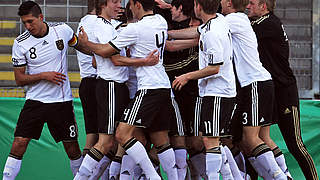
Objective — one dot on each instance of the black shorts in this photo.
(87, 93)
(216, 115)
(58, 116)
(286, 97)
(112, 99)
(151, 109)
(256, 103)
(187, 106)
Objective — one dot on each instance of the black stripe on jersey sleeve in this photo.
(215, 64)
(198, 30)
(20, 65)
(114, 46)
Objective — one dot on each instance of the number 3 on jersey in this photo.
(160, 45)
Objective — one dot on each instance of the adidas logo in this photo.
(44, 43)
(287, 111)
(262, 120)
(138, 121)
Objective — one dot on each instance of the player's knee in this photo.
(19, 146)
(72, 149)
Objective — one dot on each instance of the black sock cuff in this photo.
(85, 151)
(215, 150)
(235, 151)
(163, 148)
(129, 143)
(15, 156)
(117, 159)
(277, 152)
(179, 147)
(76, 157)
(95, 154)
(260, 149)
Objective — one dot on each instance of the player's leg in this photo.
(289, 125)
(177, 140)
(87, 94)
(29, 126)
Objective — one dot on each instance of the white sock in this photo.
(213, 163)
(105, 175)
(11, 168)
(241, 163)
(137, 173)
(233, 165)
(181, 162)
(199, 163)
(140, 156)
(86, 168)
(267, 161)
(281, 161)
(75, 165)
(168, 163)
(225, 170)
(259, 169)
(101, 167)
(114, 170)
(127, 168)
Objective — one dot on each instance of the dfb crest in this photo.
(59, 44)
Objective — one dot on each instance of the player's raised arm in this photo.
(187, 33)
(150, 60)
(103, 50)
(180, 44)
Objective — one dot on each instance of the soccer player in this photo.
(42, 50)
(181, 56)
(216, 80)
(151, 107)
(273, 47)
(87, 90)
(256, 90)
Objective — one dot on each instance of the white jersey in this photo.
(103, 33)
(85, 61)
(245, 48)
(143, 37)
(48, 53)
(215, 48)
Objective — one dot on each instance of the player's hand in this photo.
(152, 59)
(54, 77)
(82, 37)
(180, 81)
(163, 5)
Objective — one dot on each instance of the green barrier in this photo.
(47, 160)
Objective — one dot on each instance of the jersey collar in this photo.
(47, 32)
(146, 15)
(209, 21)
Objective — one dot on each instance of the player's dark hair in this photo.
(240, 5)
(29, 7)
(91, 5)
(146, 4)
(209, 6)
(98, 4)
(187, 6)
(128, 12)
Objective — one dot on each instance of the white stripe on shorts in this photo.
(197, 116)
(136, 106)
(111, 107)
(178, 117)
(254, 106)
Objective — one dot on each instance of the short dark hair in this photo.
(240, 5)
(209, 6)
(98, 4)
(187, 6)
(91, 5)
(29, 7)
(146, 4)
